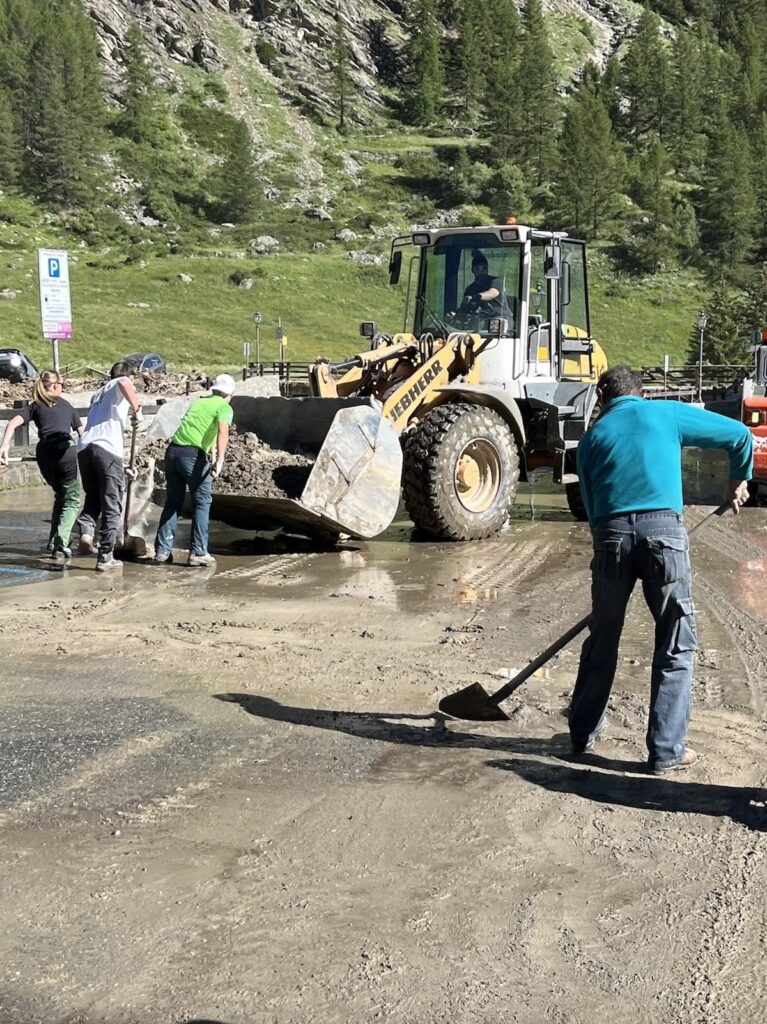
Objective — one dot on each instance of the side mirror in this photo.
(395, 266)
(368, 329)
(498, 327)
(552, 262)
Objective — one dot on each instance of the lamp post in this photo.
(257, 322)
(702, 321)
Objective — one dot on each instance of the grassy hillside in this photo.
(321, 298)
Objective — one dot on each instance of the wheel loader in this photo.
(492, 375)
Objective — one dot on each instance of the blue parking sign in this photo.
(54, 267)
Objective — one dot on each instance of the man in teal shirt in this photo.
(630, 472)
(187, 464)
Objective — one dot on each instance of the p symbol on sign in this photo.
(54, 267)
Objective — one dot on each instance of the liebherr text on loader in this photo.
(493, 374)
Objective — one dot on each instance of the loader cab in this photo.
(456, 268)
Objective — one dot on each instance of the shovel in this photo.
(474, 704)
(131, 547)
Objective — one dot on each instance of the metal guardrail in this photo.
(283, 370)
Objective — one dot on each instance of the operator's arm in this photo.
(130, 393)
(491, 292)
(584, 479)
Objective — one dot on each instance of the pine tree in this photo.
(654, 234)
(343, 83)
(10, 148)
(725, 338)
(142, 119)
(468, 75)
(686, 114)
(645, 82)
(754, 309)
(501, 100)
(729, 206)
(237, 177)
(592, 167)
(424, 79)
(538, 102)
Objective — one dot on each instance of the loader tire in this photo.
(575, 502)
(460, 472)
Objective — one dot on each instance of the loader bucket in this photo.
(354, 485)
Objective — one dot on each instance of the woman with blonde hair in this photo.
(56, 454)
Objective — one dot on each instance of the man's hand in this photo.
(737, 494)
(136, 416)
(217, 468)
(130, 474)
(5, 454)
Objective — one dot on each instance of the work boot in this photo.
(108, 563)
(163, 559)
(61, 553)
(201, 561)
(86, 544)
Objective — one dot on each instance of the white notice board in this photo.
(55, 300)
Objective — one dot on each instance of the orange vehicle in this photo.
(754, 409)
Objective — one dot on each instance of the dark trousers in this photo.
(57, 458)
(651, 547)
(103, 477)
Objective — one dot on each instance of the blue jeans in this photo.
(185, 467)
(651, 547)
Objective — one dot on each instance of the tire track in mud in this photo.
(748, 645)
(728, 983)
(267, 570)
(510, 569)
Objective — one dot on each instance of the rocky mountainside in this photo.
(191, 32)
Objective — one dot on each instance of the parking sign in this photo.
(55, 299)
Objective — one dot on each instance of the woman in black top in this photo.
(56, 455)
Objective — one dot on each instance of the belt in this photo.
(632, 517)
(187, 449)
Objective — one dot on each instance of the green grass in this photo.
(639, 320)
(320, 297)
(321, 300)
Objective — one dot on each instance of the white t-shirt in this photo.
(107, 418)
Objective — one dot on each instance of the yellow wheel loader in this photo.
(494, 374)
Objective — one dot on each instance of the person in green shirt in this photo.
(202, 433)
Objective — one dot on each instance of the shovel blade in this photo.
(474, 704)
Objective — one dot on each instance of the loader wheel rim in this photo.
(478, 474)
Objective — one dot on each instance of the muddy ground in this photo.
(227, 797)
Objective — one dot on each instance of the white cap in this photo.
(224, 384)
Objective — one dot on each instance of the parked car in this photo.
(145, 362)
(15, 366)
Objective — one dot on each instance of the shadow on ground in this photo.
(590, 777)
(746, 806)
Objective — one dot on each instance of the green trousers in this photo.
(57, 459)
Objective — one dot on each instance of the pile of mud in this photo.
(10, 393)
(254, 469)
(171, 384)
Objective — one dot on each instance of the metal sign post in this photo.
(280, 333)
(55, 298)
(257, 322)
